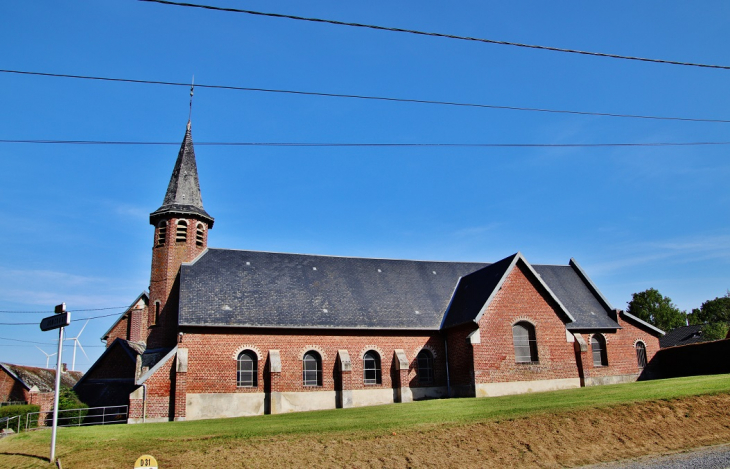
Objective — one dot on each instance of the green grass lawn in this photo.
(356, 423)
(405, 416)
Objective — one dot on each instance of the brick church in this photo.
(225, 333)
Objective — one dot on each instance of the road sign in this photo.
(56, 321)
(146, 462)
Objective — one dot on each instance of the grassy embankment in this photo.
(113, 446)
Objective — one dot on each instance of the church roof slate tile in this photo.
(183, 192)
(232, 288)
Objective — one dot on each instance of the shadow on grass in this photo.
(42, 458)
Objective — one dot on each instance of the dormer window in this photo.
(181, 235)
(161, 233)
(199, 234)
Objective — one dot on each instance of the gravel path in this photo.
(710, 457)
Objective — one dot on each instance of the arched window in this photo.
(161, 233)
(525, 342)
(424, 360)
(199, 234)
(181, 235)
(371, 368)
(312, 369)
(248, 365)
(598, 346)
(641, 354)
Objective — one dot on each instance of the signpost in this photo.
(61, 319)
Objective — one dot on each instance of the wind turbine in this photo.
(76, 342)
(48, 357)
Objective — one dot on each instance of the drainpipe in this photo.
(144, 402)
(448, 375)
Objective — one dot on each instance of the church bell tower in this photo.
(181, 234)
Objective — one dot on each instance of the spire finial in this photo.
(190, 113)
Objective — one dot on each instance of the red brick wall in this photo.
(120, 330)
(522, 298)
(620, 351)
(213, 353)
(160, 394)
(166, 261)
(133, 327)
(45, 401)
(461, 355)
(11, 389)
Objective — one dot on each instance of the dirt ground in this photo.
(567, 439)
(547, 440)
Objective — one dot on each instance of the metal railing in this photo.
(7, 421)
(78, 417)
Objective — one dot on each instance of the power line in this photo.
(73, 320)
(27, 341)
(70, 311)
(369, 97)
(448, 36)
(345, 145)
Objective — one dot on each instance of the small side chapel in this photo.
(227, 333)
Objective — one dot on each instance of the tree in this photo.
(715, 317)
(717, 310)
(656, 309)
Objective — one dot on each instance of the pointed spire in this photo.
(183, 193)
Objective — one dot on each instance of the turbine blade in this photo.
(82, 329)
(82, 349)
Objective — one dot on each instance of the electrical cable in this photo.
(344, 145)
(368, 97)
(70, 311)
(442, 35)
(72, 320)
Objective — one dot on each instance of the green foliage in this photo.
(715, 315)
(22, 410)
(67, 400)
(654, 308)
(715, 330)
(711, 311)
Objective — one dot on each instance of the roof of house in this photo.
(682, 336)
(183, 193)
(43, 378)
(231, 288)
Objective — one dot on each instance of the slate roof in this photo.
(231, 288)
(183, 193)
(43, 378)
(576, 295)
(473, 292)
(263, 289)
(682, 336)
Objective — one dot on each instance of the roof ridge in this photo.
(352, 257)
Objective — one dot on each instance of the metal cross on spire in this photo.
(190, 112)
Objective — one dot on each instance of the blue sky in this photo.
(75, 217)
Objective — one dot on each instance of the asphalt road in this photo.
(709, 457)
